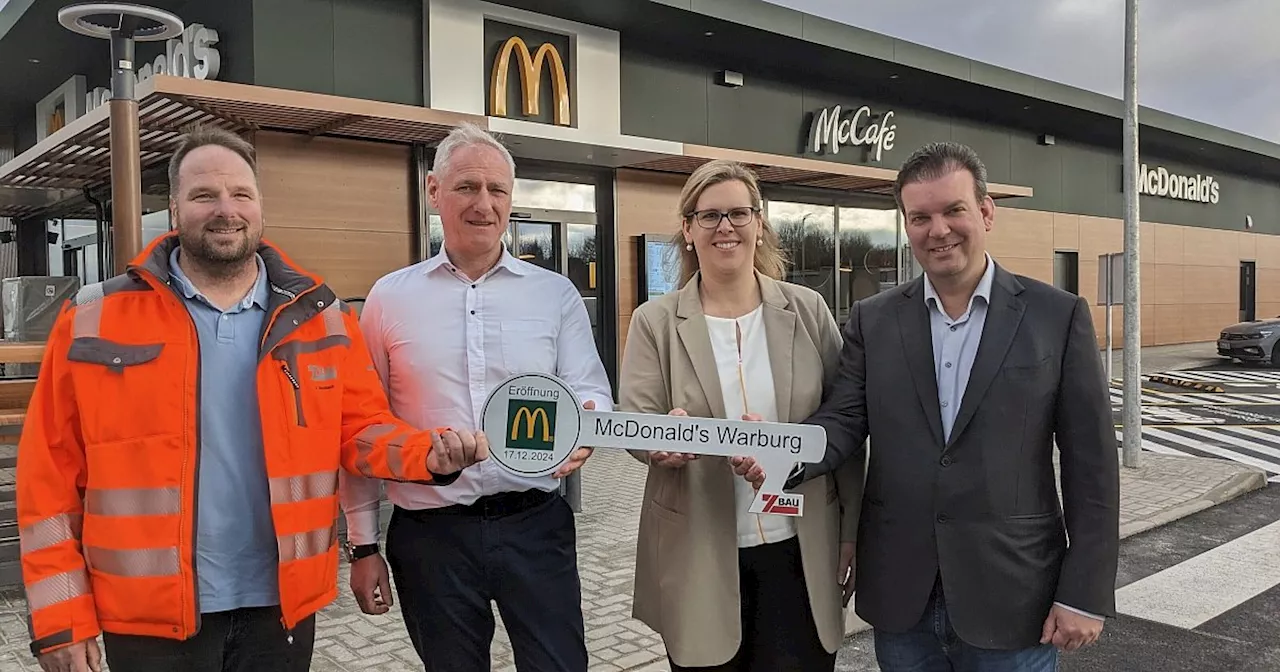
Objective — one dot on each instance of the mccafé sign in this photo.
(831, 128)
(1160, 182)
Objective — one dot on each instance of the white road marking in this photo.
(1208, 585)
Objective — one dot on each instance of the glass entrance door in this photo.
(537, 242)
(562, 241)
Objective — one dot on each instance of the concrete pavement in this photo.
(1166, 488)
(1166, 357)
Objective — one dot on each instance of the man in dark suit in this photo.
(964, 379)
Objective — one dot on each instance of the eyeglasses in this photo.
(710, 219)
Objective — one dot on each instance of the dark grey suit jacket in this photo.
(983, 509)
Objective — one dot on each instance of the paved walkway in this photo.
(1166, 487)
(1163, 489)
(1166, 357)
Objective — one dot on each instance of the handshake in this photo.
(453, 450)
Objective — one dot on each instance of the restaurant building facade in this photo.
(607, 106)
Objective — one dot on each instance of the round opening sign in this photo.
(532, 422)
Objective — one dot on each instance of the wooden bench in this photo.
(15, 394)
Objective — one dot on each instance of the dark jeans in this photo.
(243, 640)
(933, 646)
(778, 632)
(516, 549)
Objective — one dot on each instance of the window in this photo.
(1066, 271)
(846, 250)
(807, 233)
(869, 254)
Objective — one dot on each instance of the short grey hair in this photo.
(463, 135)
(936, 160)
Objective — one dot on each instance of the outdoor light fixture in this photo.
(123, 24)
(729, 78)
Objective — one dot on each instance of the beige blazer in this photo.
(686, 582)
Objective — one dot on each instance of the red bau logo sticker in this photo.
(784, 505)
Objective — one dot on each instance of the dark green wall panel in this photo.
(293, 44)
(1086, 178)
(734, 116)
(675, 95)
(1040, 167)
(993, 146)
(914, 130)
(393, 71)
(328, 46)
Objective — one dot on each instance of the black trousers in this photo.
(242, 640)
(778, 632)
(515, 549)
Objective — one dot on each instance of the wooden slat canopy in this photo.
(78, 155)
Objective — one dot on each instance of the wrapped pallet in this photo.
(30, 306)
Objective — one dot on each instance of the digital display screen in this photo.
(661, 262)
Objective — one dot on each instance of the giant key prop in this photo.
(534, 422)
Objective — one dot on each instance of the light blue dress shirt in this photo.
(955, 344)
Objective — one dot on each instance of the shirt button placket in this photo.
(475, 343)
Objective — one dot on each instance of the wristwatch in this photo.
(364, 550)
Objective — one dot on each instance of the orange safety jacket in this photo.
(110, 451)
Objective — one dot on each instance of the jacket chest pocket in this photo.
(312, 385)
(1023, 389)
(135, 388)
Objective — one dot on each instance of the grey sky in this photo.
(1216, 61)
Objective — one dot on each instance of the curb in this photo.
(1233, 487)
(1179, 382)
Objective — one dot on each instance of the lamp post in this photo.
(122, 24)
(1131, 445)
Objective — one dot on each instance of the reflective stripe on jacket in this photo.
(109, 456)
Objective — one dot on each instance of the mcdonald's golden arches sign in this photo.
(530, 74)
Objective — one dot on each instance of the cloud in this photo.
(1215, 62)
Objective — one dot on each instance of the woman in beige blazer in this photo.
(727, 589)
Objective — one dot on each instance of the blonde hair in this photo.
(770, 260)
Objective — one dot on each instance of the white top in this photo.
(746, 383)
(440, 342)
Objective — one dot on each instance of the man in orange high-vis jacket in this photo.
(179, 462)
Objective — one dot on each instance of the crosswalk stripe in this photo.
(1238, 442)
(1259, 398)
(1166, 435)
(1152, 398)
(1151, 446)
(1191, 593)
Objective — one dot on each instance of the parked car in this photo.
(1251, 341)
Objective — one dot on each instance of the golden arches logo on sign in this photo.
(536, 415)
(530, 79)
